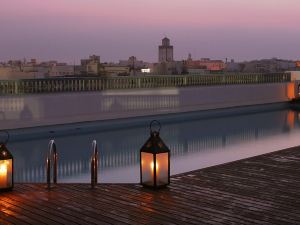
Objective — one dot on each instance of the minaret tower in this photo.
(165, 51)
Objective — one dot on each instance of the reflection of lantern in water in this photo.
(155, 161)
(291, 119)
(6, 169)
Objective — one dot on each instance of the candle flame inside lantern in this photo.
(3, 168)
(152, 166)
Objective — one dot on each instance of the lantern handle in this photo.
(151, 124)
(8, 136)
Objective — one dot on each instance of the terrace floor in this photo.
(260, 190)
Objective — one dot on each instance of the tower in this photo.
(165, 51)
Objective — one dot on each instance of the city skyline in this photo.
(68, 31)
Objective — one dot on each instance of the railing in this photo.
(82, 84)
(51, 160)
(94, 164)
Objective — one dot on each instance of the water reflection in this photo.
(194, 144)
(40, 110)
(19, 111)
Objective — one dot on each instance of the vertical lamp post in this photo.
(155, 161)
(6, 167)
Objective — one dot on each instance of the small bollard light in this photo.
(6, 167)
(154, 161)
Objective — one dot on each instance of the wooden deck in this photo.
(259, 190)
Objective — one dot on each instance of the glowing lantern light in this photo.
(155, 161)
(6, 168)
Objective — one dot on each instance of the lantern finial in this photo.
(151, 127)
(7, 137)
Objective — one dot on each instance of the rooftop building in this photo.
(165, 51)
(90, 66)
(204, 64)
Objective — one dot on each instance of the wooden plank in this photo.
(259, 190)
(15, 216)
(129, 207)
(65, 201)
(55, 209)
(179, 206)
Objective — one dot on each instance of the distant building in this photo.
(12, 73)
(61, 70)
(168, 68)
(165, 51)
(203, 65)
(273, 65)
(16, 69)
(298, 64)
(15, 63)
(91, 59)
(116, 70)
(48, 69)
(166, 64)
(135, 65)
(91, 66)
(132, 62)
(268, 66)
(233, 66)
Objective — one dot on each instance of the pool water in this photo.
(194, 144)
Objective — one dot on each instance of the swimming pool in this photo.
(194, 142)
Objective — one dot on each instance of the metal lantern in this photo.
(6, 167)
(155, 161)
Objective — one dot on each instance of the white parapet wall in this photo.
(295, 75)
(62, 108)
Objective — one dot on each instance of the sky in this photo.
(68, 30)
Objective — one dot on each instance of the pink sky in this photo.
(71, 29)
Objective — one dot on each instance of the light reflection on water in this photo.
(194, 144)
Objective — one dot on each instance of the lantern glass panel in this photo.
(6, 173)
(147, 168)
(162, 169)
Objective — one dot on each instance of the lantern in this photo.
(6, 168)
(155, 161)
